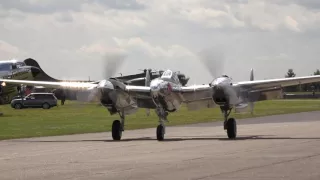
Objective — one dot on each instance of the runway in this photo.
(274, 147)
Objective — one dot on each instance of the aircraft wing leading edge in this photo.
(48, 84)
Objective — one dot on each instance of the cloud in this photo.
(42, 7)
(276, 58)
(292, 23)
(309, 4)
(9, 51)
(64, 17)
(52, 6)
(122, 5)
(100, 49)
(8, 48)
(153, 51)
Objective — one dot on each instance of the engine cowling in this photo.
(220, 96)
(105, 94)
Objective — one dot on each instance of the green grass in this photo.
(76, 118)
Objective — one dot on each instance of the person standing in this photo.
(63, 97)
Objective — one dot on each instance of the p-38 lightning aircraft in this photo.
(166, 94)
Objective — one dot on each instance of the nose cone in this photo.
(155, 86)
(160, 87)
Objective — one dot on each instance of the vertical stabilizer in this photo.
(251, 75)
(148, 77)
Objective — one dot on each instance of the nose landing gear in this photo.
(230, 124)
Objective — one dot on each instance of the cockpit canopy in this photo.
(170, 76)
(10, 65)
(5, 66)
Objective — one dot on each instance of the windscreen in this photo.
(5, 66)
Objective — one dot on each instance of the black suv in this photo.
(37, 100)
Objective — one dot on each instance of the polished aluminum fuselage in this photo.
(162, 88)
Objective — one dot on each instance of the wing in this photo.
(283, 82)
(271, 89)
(197, 96)
(48, 84)
(137, 89)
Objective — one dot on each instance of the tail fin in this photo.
(251, 104)
(147, 83)
(148, 77)
(41, 76)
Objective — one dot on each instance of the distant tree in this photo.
(312, 86)
(290, 73)
(316, 86)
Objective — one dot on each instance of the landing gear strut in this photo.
(118, 127)
(230, 124)
(161, 129)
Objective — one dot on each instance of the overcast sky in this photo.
(70, 38)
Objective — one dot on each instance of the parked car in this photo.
(35, 100)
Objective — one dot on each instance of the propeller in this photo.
(112, 63)
(248, 100)
(213, 60)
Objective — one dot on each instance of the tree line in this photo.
(302, 87)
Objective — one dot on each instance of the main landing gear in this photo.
(230, 124)
(118, 127)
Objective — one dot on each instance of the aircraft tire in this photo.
(160, 132)
(116, 130)
(231, 128)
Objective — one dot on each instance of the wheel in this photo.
(231, 128)
(45, 106)
(18, 106)
(160, 132)
(116, 130)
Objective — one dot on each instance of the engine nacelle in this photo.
(106, 96)
(106, 101)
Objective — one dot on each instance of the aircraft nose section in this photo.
(155, 87)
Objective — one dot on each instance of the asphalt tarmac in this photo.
(273, 147)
